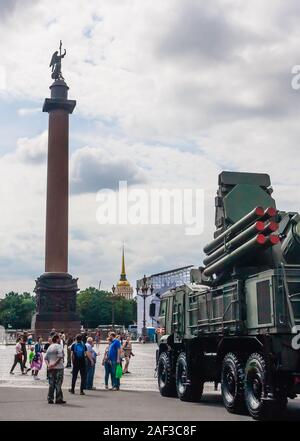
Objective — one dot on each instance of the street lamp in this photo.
(113, 289)
(143, 292)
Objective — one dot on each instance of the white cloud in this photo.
(28, 111)
(94, 169)
(33, 150)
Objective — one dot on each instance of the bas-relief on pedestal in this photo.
(56, 303)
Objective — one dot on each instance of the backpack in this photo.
(79, 350)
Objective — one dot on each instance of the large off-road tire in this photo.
(232, 383)
(165, 377)
(255, 391)
(189, 384)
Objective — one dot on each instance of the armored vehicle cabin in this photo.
(236, 323)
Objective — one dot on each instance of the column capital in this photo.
(59, 98)
(51, 104)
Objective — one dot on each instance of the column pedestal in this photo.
(56, 304)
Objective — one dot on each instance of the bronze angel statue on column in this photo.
(55, 64)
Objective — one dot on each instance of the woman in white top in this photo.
(127, 349)
(18, 358)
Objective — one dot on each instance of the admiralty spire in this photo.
(124, 288)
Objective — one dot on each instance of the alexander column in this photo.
(56, 289)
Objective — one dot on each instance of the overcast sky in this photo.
(169, 93)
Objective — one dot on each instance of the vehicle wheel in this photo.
(166, 381)
(188, 384)
(232, 383)
(255, 391)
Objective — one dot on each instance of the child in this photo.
(30, 358)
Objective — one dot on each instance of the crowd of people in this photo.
(82, 353)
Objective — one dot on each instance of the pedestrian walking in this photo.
(46, 345)
(70, 341)
(29, 341)
(84, 337)
(38, 347)
(107, 365)
(23, 343)
(79, 351)
(114, 355)
(97, 339)
(63, 337)
(54, 359)
(37, 362)
(127, 349)
(18, 358)
(30, 359)
(91, 357)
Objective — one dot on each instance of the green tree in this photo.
(125, 311)
(95, 308)
(17, 310)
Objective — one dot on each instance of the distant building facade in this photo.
(123, 287)
(161, 283)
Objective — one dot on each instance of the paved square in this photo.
(23, 398)
(142, 368)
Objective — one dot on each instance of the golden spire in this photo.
(123, 263)
(123, 279)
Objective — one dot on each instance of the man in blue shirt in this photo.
(114, 356)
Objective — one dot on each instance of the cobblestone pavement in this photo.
(147, 405)
(142, 368)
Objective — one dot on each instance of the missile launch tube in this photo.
(256, 228)
(256, 214)
(242, 237)
(271, 227)
(258, 242)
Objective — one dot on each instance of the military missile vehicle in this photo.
(237, 323)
